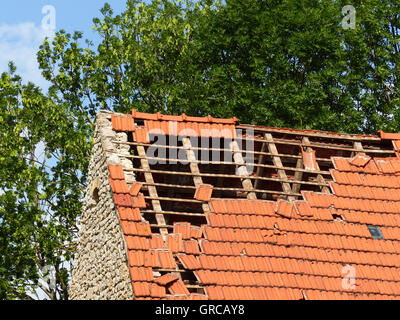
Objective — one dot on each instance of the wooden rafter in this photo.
(357, 145)
(194, 168)
(152, 190)
(278, 163)
(242, 170)
(298, 175)
(260, 162)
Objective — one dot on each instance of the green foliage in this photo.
(276, 63)
(40, 196)
(290, 63)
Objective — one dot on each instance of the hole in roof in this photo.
(337, 217)
(375, 232)
(139, 122)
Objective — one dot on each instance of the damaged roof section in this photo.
(222, 210)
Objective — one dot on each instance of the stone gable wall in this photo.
(100, 269)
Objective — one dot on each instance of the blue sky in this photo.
(22, 31)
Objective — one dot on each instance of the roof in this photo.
(289, 214)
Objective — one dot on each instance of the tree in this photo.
(276, 63)
(43, 152)
(40, 200)
(290, 63)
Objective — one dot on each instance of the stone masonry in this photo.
(101, 269)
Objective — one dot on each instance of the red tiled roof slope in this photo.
(262, 249)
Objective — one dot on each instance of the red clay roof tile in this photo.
(341, 164)
(285, 208)
(129, 227)
(303, 208)
(309, 161)
(123, 200)
(218, 206)
(157, 291)
(203, 192)
(116, 172)
(178, 287)
(212, 234)
(141, 135)
(141, 274)
(135, 188)
(130, 214)
(174, 242)
(205, 277)
(214, 292)
(191, 247)
(385, 166)
(137, 243)
(141, 289)
(360, 159)
(139, 201)
(167, 279)
(141, 228)
(207, 262)
(118, 186)
(151, 259)
(215, 220)
(183, 228)
(193, 129)
(136, 258)
(122, 123)
(196, 232)
(389, 136)
(166, 259)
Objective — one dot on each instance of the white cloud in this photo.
(20, 43)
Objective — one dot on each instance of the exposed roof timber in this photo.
(226, 176)
(174, 186)
(293, 242)
(258, 165)
(258, 152)
(312, 133)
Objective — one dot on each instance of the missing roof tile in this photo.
(337, 217)
(375, 231)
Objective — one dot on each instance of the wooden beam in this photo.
(316, 145)
(215, 175)
(298, 175)
(152, 190)
(173, 199)
(319, 134)
(357, 145)
(176, 213)
(253, 152)
(176, 186)
(241, 170)
(194, 169)
(278, 163)
(260, 162)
